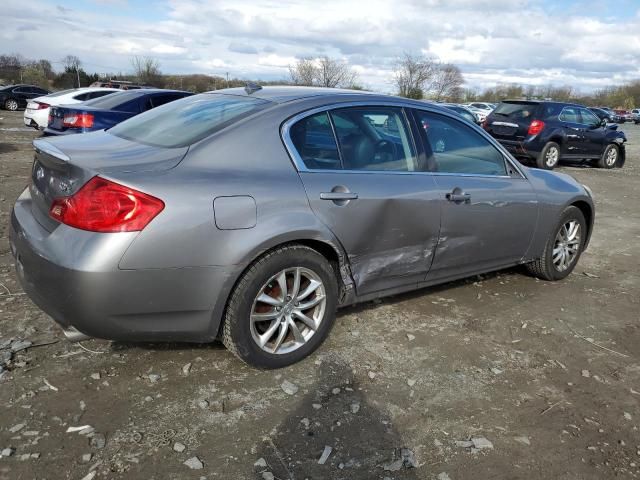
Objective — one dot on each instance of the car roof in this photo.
(539, 102)
(283, 94)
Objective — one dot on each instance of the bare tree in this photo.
(323, 72)
(413, 75)
(146, 70)
(303, 72)
(333, 73)
(72, 64)
(447, 83)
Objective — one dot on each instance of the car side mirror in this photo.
(603, 123)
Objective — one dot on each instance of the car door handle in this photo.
(458, 197)
(338, 196)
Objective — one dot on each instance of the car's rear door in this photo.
(367, 183)
(489, 208)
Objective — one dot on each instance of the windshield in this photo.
(516, 110)
(186, 121)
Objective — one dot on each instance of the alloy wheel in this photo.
(612, 157)
(566, 246)
(551, 158)
(11, 105)
(288, 310)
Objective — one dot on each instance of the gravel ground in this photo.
(548, 373)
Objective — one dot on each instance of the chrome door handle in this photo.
(338, 196)
(458, 197)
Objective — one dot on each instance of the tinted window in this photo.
(40, 90)
(99, 93)
(375, 138)
(61, 92)
(457, 148)
(113, 102)
(313, 139)
(516, 110)
(185, 121)
(569, 114)
(82, 97)
(588, 118)
(464, 113)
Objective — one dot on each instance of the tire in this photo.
(547, 160)
(610, 156)
(11, 104)
(544, 267)
(240, 333)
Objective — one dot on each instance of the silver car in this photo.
(251, 214)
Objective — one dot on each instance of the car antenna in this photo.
(251, 87)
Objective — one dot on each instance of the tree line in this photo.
(413, 76)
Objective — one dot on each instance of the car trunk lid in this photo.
(511, 119)
(63, 165)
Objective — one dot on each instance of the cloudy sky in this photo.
(584, 43)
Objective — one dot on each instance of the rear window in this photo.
(60, 93)
(188, 120)
(111, 102)
(516, 110)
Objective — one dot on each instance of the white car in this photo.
(487, 108)
(36, 114)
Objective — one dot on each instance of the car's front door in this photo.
(367, 184)
(573, 130)
(594, 133)
(489, 209)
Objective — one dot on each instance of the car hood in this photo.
(106, 153)
(556, 181)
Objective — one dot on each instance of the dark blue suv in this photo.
(547, 132)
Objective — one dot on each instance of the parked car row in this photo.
(83, 110)
(250, 215)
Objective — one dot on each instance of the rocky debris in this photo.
(289, 388)
(316, 406)
(260, 463)
(355, 407)
(406, 459)
(86, 458)
(627, 416)
(179, 447)
(28, 456)
(335, 391)
(98, 441)
(305, 422)
(371, 375)
(411, 382)
(523, 440)
(475, 444)
(586, 373)
(7, 452)
(268, 476)
(17, 428)
(7, 349)
(90, 475)
(95, 376)
(186, 369)
(411, 337)
(443, 476)
(194, 463)
(325, 455)
(203, 404)
(496, 371)
(154, 377)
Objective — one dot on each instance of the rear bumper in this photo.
(77, 283)
(521, 149)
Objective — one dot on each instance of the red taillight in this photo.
(535, 127)
(78, 120)
(42, 106)
(484, 124)
(104, 206)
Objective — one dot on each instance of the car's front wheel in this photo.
(563, 248)
(282, 308)
(549, 156)
(11, 104)
(609, 157)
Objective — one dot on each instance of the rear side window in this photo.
(188, 120)
(82, 97)
(313, 139)
(516, 110)
(457, 148)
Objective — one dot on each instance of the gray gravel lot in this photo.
(548, 373)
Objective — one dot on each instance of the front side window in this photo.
(588, 118)
(457, 148)
(313, 139)
(569, 114)
(374, 138)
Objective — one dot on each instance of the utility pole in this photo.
(78, 76)
(227, 79)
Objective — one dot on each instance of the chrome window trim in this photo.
(299, 165)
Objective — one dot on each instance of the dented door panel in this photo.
(389, 231)
(493, 228)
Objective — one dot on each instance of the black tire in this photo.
(11, 104)
(547, 163)
(236, 330)
(544, 267)
(608, 158)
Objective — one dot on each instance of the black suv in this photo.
(548, 132)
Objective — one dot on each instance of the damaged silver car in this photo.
(250, 215)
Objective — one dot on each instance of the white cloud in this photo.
(492, 41)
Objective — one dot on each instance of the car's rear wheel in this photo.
(563, 248)
(549, 156)
(11, 104)
(609, 157)
(282, 308)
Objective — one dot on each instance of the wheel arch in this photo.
(587, 211)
